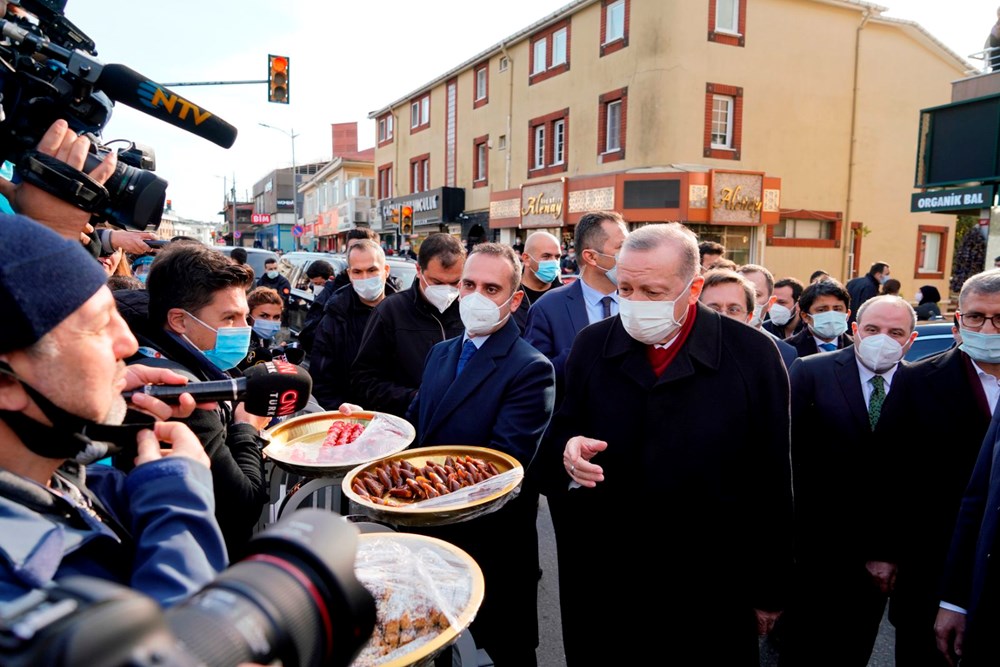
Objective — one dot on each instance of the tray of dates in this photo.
(332, 443)
(426, 592)
(432, 486)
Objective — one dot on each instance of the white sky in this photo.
(348, 58)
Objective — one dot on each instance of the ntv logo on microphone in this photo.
(155, 98)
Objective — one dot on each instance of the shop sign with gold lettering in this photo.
(542, 205)
(737, 198)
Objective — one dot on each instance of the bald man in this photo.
(540, 258)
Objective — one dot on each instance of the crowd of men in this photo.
(725, 455)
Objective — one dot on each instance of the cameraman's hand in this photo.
(138, 375)
(183, 440)
(62, 217)
(131, 242)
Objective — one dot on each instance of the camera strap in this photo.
(58, 178)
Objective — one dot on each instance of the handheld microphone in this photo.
(269, 389)
(125, 85)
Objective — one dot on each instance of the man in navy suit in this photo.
(841, 578)
(934, 429)
(826, 308)
(968, 595)
(762, 281)
(490, 388)
(555, 319)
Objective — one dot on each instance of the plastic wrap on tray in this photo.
(420, 591)
(478, 491)
(383, 435)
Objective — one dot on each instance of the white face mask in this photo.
(919, 295)
(440, 296)
(756, 321)
(369, 289)
(650, 322)
(779, 315)
(829, 324)
(317, 290)
(878, 352)
(480, 315)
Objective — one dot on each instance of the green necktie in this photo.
(877, 399)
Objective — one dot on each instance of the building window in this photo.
(420, 173)
(611, 125)
(550, 52)
(727, 22)
(480, 161)
(723, 121)
(932, 244)
(539, 148)
(420, 113)
(385, 181)
(503, 64)
(727, 16)
(559, 142)
(559, 38)
(502, 142)
(481, 89)
(549, 149)
(800, 228)
(385, 129)
(539, 62)
(614, 25)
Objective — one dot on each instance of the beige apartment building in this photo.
(784, 129)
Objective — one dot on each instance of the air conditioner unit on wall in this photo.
(361, 217)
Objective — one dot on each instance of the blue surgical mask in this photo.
(272, 274)
(231, 345)
(981, 347)
(548, 270)
(829, 324)
(266, 328)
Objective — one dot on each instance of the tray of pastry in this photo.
(426, 590)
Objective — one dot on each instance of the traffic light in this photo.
(277, 79)
(395, 216)
(406, 220)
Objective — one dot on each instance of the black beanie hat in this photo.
(44, 278)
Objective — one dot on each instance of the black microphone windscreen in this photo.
(125, 85)
(276, 389)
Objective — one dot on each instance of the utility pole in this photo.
(295, 180)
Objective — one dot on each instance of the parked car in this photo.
(255, 257)
(293, 265)
(932, 337)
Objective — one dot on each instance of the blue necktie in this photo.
(828, 347)
(468, 350)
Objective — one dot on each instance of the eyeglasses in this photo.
(731, 311)
(977, 320)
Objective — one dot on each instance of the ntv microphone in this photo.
(269, 389)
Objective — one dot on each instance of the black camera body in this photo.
(294, 598)
(50, 72)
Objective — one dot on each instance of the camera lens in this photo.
(136, 196)
(294, 598)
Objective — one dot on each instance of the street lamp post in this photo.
(295, 179)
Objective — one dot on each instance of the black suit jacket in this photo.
(932, 432)
(805, 343)
(694, 459)
(832, 459)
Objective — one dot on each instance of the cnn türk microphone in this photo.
(269, 389)
(125, 85)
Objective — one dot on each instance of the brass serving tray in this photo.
(439, 511)
(296, 445)
(461, 589)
